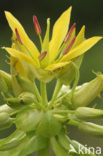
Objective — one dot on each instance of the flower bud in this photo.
(26, 98)
(91, 128)
(5, 120)
(86, 113)
(5, 108)
(22, 100)
(83, 95)
(88, 92)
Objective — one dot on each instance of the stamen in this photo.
(42, 55)
(37, 25)
(18, 36)
(69, 46)
(69, 33)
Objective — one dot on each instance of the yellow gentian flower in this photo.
(56, 53)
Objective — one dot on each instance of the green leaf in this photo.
(34, 144)
(28, 119)
(12, 141)
(49, 126)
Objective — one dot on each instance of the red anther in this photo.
(18, 36)
(36, 25)
(42, 55)
(69, 33)
(69, 46)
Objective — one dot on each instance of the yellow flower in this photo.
(56, 53)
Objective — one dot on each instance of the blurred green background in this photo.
(85, 12)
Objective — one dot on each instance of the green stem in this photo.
(41, 42)
(44, 94)
(37, 92)
(55, 94)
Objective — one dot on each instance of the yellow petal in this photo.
(45, 46)
(59, 32)
(19, 66)
(14, 23)
(21, 56)
(56, 66)
(80, 37)
(80, 49)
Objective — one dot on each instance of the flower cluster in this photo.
(41, 124)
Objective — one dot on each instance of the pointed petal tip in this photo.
(48, 20)
(7, 13)
(70, 8)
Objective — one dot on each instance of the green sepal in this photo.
(28, 119)
(34, 144)
(49, 126)
(7, 79)
(15, 85)
(67, 74)
(3, 85)
(26, 84)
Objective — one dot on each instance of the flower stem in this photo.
(37, 92)
(55, 94)
(44, 93)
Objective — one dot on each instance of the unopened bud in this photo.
(88, 92)
(5, 108)
(26, 98)
(5, 120)
(22, 100)
(86, 113)
(91, 128)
